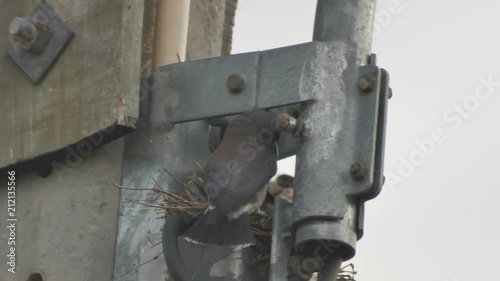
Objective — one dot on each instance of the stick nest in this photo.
(192, 203)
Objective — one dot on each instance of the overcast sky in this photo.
(437, 218)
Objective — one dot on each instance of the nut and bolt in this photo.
(366, 83)
(358, 172)
(294, 126)
(30, 34)
(23, 30)
(235, 83)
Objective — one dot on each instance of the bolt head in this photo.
(235, 83)
(358, 172)
(23, 28)
(306, 131)
(16, 26)
(366, 83)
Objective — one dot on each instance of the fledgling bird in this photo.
(235, 179)
(281, 187)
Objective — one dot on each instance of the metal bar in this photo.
(281, 238)
(346, 21)
(184, 92)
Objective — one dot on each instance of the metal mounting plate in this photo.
(197, 90)
(37, 65)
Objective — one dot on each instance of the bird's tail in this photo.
(221, 231)
(174, 227)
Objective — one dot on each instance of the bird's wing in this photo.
(243, 181)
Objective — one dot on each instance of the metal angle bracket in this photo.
(229, 85)
(209, 88)
(37, 41)
(223, 86)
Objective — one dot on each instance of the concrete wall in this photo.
(92, 85)
(67, 223)
(66, 226)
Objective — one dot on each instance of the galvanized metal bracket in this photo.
(200, 89)
(275, 78)
(345, 105)
(372, 133)
(38, 40)
(209, 88)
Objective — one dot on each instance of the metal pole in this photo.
(324, 216)
(348, 21)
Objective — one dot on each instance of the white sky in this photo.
(441, 222)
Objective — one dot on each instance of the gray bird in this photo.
(235, 179)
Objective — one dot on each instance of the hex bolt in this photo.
(358, 172)
(295, 126)
(23, 30)
(366, 83)
(235, 83)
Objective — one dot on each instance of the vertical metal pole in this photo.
(348, 21)
(324, 217)
(280, 251)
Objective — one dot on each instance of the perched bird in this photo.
(235, 179)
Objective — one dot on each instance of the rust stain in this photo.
(121, 111)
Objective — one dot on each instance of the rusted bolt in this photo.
(235, 83)
(358, 172)
(366, 83)
(23, 30)
(30, 34)
(295, 126)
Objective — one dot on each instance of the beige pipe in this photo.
(172, 18)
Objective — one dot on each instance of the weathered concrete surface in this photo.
(227, 37)
(92, 86)
(148, 33)
(66, 226)
(67, 222)
(206, 28)
(150, 149)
